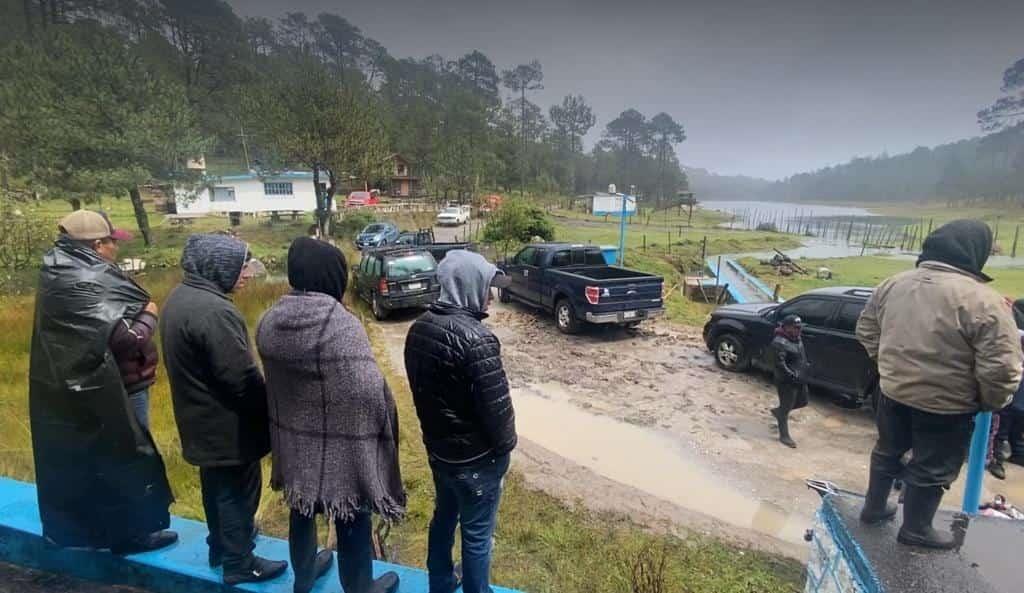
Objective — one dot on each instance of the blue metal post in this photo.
(622, 233)
(976, 463)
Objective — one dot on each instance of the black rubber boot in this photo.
(145, 543)
(782, 416)
(322, 564)
(918, 512)
(996, 469)
(877, 507)
(387, 583)
(259, 570)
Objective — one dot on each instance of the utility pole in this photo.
(245, 147)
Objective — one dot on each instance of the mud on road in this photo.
(642, 422)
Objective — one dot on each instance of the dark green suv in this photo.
(393, 278)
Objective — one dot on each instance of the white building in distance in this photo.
(251, 193)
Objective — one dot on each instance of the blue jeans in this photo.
(467, 496)
(140, 403)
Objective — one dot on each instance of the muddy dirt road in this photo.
(643, 423)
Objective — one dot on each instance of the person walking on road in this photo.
(220, 400)
(946, 347)
(333, 421)
(462, 400)
(100, 480)
(790, 368)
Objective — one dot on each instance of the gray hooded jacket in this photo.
(220, 400)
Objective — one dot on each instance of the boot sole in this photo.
(918, 542)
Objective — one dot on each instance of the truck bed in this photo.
(606, 273)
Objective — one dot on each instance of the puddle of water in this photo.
(644, 459)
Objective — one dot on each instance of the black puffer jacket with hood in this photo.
(455, 370)
(220, 398)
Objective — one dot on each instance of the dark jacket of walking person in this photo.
(100, 479)
(790, 369)
(333, 421)
(946, 347)
(220, 400)
(462, 400)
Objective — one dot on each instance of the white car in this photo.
(453, 215)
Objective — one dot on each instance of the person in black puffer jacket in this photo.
(462, 399)
(790, 368)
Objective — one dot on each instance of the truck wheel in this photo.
(379, 312)
(565, 319)
(731, 353)
(503, 296)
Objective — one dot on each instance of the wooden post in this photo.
(930, 220)
(645, 243)
(995, 236)
(670, 241)
(703, 251)
(867, 236)
(1016, 234)
(775, 295)
(849, 232)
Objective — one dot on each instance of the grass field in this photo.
(866, 271)
(542, 545)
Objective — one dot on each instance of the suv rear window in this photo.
(408, 265)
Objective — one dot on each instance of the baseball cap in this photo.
(89, 225)
(791, 320)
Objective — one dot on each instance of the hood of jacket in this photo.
(963, 244)
(465, 279)
(218, 259)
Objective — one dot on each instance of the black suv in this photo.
(739, 337)
(397, 278)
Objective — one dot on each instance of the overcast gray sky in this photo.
(763, 88)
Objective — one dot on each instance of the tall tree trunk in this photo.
(44, 17)
(522, 154)
(76, 204)
(27, 7)
(141, 218)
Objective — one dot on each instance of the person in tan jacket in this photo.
(946, 347)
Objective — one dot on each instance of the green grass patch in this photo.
(865, 271)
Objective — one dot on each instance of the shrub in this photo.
(518, 221)
(353, 222)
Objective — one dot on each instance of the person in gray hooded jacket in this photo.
(220, 400)
(462, 400)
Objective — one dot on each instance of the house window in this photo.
(278, 188)
(401, 170)
(223, 194)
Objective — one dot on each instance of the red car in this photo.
(361, 198)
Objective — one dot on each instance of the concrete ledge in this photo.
(177, 569)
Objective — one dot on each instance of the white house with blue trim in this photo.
(251, 193)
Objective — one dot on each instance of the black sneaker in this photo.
(997, 470)
(259, 570)
(145, 543)
(387, 583)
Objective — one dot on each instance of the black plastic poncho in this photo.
(99, 476)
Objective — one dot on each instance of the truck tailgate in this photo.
(643, 293)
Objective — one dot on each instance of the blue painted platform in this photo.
(179, 568)
(742, 286)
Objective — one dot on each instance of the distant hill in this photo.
(988, 167)
(711, 186)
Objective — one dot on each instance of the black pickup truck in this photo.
(575, 283)
(424, 239)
